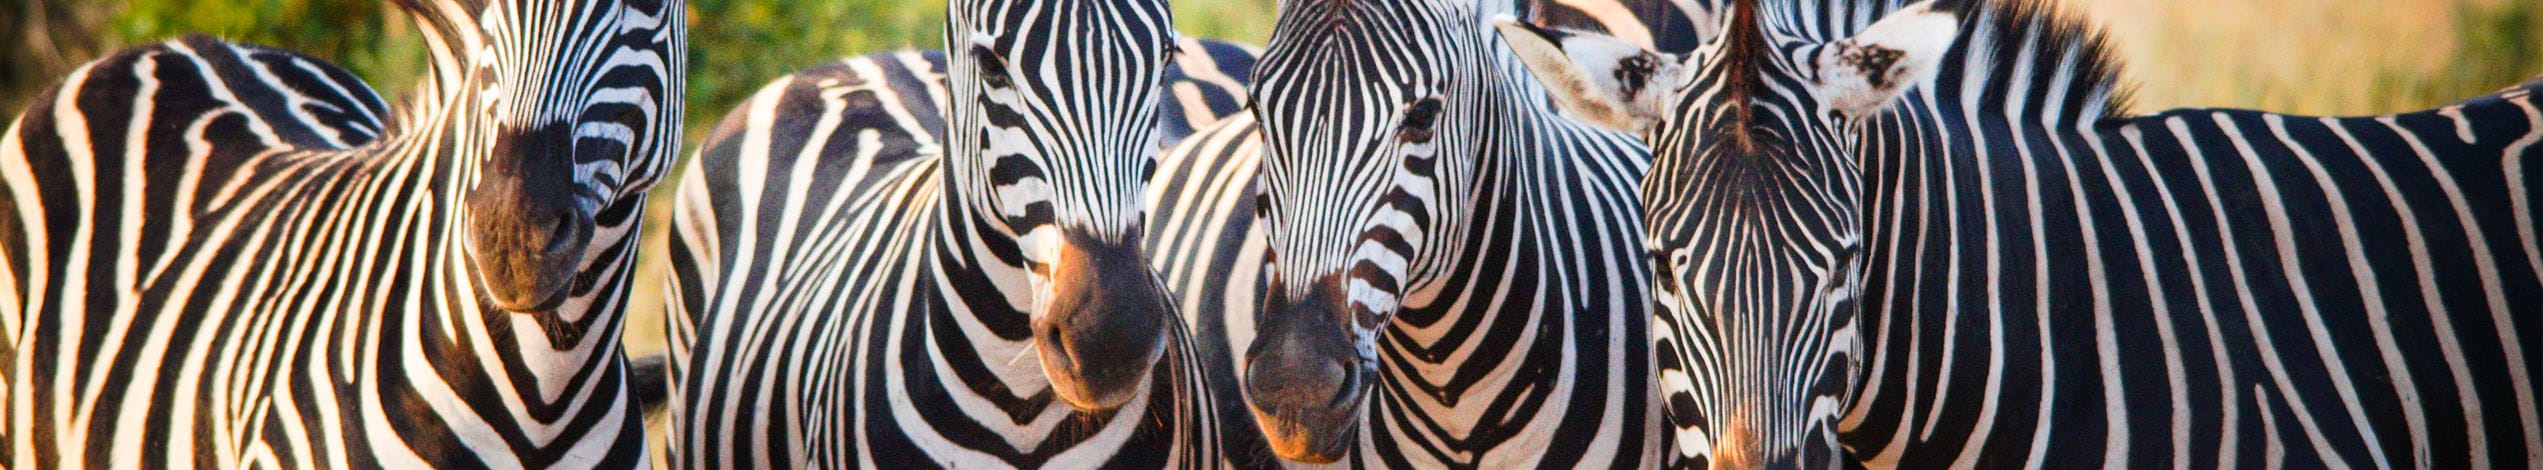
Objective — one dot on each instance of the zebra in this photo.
(1202, 229)
(1202, 236)
(227, 255)
(1519, 342)
(869, 256)
(1944, 239)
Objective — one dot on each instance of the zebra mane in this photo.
(426, 96)
(436, 14)
(2057, 45)
(1743, 45)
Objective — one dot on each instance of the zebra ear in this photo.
(1594, 77)
(1861, 75)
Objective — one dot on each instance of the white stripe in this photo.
(2488, 266)
(2290, 265)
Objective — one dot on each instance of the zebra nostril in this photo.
(1052, 338)
(1349, 383)
(564, 232)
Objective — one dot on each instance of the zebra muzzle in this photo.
(1106, 326)
(1304, 378)
(527, 233)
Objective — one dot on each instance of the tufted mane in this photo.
(2000, 32)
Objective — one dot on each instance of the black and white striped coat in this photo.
(843, 302)
(223, 255)
(2042, 277)
(1559, 399)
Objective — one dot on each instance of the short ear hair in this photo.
(1860, 75)
(1595, 77)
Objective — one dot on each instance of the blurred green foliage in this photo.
(737, 45)
(40, 40)
(390, 57)
(2497, 44)
(1245, 21)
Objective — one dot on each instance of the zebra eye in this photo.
(992, 67)
(1418, 120)
(1173, 50)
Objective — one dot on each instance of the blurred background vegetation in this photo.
(2301, 56)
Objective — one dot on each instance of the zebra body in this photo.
(223, 255)
(2043, 278)
(838, 305)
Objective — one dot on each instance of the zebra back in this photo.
(2334, 288)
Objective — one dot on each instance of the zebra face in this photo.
(1371, 141)
(570, 130)
(1753, 213)
(1053, 128)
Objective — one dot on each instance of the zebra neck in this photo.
(554, 350)
(1532, 161)
(982, 263)
(1518, 214)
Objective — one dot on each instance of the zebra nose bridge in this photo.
(1105, 277)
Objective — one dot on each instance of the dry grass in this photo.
(2297, 56)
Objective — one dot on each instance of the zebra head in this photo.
(1373, 114)
(1053, 128)
(1752, 211)
(560, 115)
